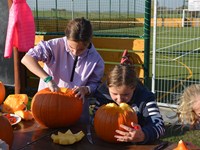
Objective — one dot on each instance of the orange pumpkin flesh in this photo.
(15, 102)
(24, 114)
(181, 146)
(109, 117)
(56, 109)
(2, 92)
(6, 131)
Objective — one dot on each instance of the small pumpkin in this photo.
(6, 131)
(181, 146)
(14, 102)
(56, 109)
(2, 92)
(108, 118)
(24, 114)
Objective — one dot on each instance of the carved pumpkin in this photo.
(15, 102)
(56, 109)
(109, 117)
(181, 146)
(6, 131)
(2, 92)
(24, 114)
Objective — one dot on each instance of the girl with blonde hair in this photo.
(189, 107)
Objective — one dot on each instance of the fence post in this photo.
(147, 27)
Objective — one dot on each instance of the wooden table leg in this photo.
(19, 72)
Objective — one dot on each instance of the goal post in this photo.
(190, 18)
(183, 17)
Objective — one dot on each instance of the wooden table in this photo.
(28, 135)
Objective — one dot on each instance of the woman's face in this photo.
(77, 48)
(121, 94)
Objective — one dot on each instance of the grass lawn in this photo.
(175, 133)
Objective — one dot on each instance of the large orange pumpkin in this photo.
(56, 109)
(6, 131)
(109, 117)
(2, 92)
(15, 102)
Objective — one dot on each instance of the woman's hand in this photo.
(53, 86)
(131, 134)
(80, 92)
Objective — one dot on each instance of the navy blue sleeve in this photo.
(149, 116)
(102, 97)
(153, 124)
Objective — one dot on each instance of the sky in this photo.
(171, 3)
(93, 5)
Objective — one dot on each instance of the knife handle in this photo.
(136, 127)
(89, 133)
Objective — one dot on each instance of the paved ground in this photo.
(168, 114)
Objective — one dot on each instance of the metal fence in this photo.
(109, 17)
(175, 49)
(175, 45)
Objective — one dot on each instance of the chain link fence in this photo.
(109, 17)
(175, 50)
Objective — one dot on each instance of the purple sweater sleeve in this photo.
(58, 63)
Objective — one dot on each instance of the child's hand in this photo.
(80, 92)
(131, 134)
(53, 86)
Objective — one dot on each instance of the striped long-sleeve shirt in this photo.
(145, 105)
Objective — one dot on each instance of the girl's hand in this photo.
(80, 92)
(131, 134)
(53, 86)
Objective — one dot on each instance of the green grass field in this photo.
(175, 133)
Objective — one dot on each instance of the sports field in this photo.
(177, 58)
(177, 61)
(177, 48)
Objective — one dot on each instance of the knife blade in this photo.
(161, 145)
(89, 135)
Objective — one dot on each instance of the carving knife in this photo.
(89, 135)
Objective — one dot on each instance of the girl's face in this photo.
(77, 48)
(121, 94)
(196, 106)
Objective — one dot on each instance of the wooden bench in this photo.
(111, 50)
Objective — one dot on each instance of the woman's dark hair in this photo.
(79, 29)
